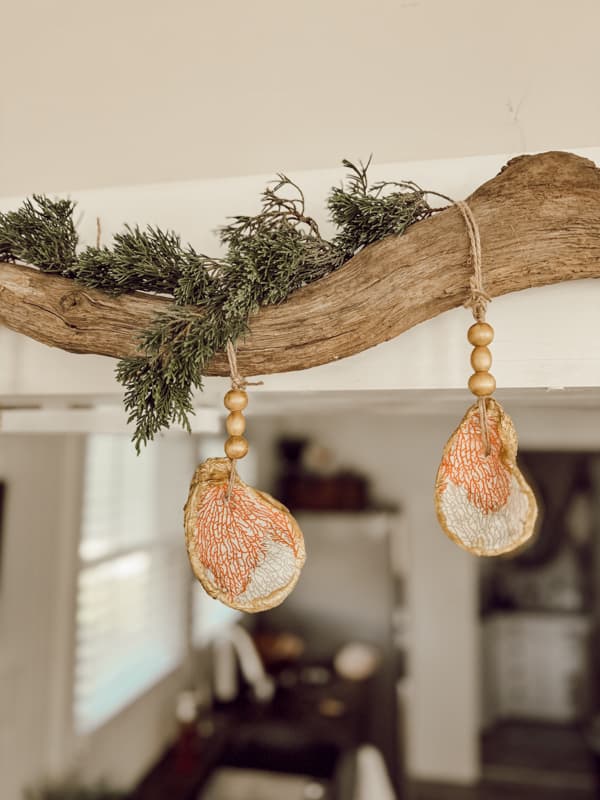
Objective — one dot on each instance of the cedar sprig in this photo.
(273, 253)
(42, 233)
(365, 213)
(149, 260)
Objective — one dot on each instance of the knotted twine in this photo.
(478, 299)
(237, 382)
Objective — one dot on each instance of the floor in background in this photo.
(526, 761)
(496, 791)
(538, 755)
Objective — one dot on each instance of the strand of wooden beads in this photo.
(236, 445)
(482, 383)
(235, 402)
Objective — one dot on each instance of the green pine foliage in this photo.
(42, 233)
(366, 213)
(267, 257)
(147, 261)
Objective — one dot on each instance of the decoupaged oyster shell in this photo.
(246, 550)
(484, 503)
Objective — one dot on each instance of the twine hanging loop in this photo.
(478, 299)
(237, 379)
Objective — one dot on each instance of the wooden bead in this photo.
(235, 400)
(236, 447)
(235, 423)
(481, 359)
(482, 384)
(480, 334)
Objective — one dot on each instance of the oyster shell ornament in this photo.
(245, 547)
(482, 501)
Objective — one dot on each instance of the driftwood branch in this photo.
(539, 221)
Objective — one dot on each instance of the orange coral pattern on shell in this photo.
(485, 478)
(232, 535)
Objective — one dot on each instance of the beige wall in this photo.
(101, 94)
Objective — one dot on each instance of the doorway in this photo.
(540, 614)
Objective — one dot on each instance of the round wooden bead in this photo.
(235, 423)
(236, 447)
(480, 334)
(481, 359)
(482, 384)
(235, 400)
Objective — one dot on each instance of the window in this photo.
(131, 587)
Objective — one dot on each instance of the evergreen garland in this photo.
(268, 256)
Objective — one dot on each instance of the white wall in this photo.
(151, 91)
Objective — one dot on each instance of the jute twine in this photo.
(237, 382)
(478, 299)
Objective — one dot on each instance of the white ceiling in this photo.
(125, 93)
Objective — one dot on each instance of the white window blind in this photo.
(130, 616)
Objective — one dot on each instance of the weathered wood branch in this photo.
(539, 221)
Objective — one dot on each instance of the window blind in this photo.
(130, 611)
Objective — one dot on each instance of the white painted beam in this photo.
(92, 420)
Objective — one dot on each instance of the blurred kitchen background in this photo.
(400, 667)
